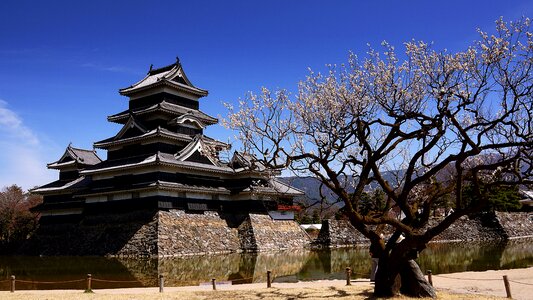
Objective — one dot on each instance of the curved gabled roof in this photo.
(170, 108)
(63, 185)
(198, 144)
(246, 161)
(154, 133)
(73, 156)
(172, 76)
(156, 159)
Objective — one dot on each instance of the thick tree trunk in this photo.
(387, 279)
(403, 277)
(413, 282)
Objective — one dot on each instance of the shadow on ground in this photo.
(330, 292)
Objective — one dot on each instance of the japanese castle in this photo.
(163, 189)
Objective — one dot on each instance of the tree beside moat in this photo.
(451, 121)
(17, 222)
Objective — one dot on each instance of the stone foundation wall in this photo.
(183, 233)
(269, 234)
(247, 237)
(481, 228)
(126, 234)
(517, 224)
(484, 227)
(177, 233)
(143, 242)
(339, 233)
(166, 234)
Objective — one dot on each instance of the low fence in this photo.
(505, 279)
(88, 287)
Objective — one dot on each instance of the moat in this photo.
(286, 266)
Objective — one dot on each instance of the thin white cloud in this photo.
(21, 152)
(114, 69)
(11, 124)
(21, 51)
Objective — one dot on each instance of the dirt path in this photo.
(488, 283)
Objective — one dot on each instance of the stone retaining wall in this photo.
(142, 243)
(339, 233)
(485, 227)
(516, 225)
(177, 233)
(166, 234)
(481, 228)
(247, 237)
(124, 234)
(272, 234)
(183, 233)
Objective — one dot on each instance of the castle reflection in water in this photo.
(286, 266)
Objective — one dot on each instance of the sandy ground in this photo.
(467, 285)
(488, 283)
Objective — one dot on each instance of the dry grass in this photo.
(465, 285)
(308, 293)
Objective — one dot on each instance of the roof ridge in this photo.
(70, 150)
(81, 149)
(165, 76)
(165, 68)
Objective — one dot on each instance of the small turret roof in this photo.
(205, 147)
(285, 189)
(272, 186)
(74, 156)
(172, 76)
(246, 161)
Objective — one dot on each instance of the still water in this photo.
(286, 266)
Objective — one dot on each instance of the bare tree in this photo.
(446, 120)
(17, 222)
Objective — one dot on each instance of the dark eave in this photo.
(58, 205)
(159, 159)
(155, 133)
(172, 109)
(60, 186)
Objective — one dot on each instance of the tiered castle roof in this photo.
(160, 154)
(182, 113)
(171, 76)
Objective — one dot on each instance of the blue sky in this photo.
(62, 62)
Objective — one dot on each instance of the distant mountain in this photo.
(311, 186)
